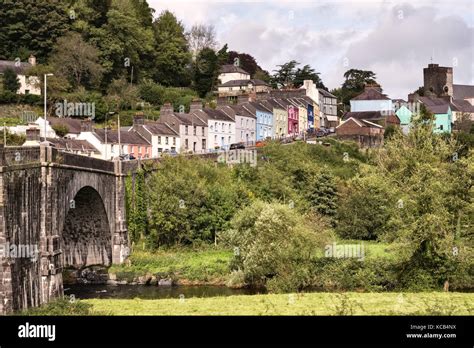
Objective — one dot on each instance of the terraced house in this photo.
(192, 129)
(245, 123)
(161, 136)
(280, 117)
(264, 117)
(220, 128)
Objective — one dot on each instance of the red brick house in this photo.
(364, 132)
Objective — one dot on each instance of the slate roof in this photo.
(230, 68)
(462, 105)
(361, 123)
(72, 144)
(73, 124)
(158, 128)
(463, 91)
(436, 105)
(125, 137)
(326, 93)
(367, 115)
(237, 83)
(20, 68)
(213, 114)
(371, 94)
(190, 119)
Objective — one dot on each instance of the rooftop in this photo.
(230, 68)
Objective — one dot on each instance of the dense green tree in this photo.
(284, 76)
(355, 80)
(31, 27)
(10, 81)
(206, 69)
(172, 56)
(308, 73)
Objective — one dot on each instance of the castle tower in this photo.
(438, 81)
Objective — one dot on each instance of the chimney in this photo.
(196, 105)
(32, 60)
(166, 108)
(33, 134)
(139, 119)
(86, 125)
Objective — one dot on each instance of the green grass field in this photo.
(426, 303)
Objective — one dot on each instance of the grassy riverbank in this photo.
(187, 266)
(350, 303)
(207, 265)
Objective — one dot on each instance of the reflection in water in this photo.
(153, 292)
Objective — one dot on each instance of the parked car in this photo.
(237, 146)
(260, 143)
(127, 157)
(320, 133)
(170, 153)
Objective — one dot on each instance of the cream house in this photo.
(231, 72)
(28, 84)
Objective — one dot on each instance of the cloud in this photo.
(395, 40)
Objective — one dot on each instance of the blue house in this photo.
(442, 112)
(264, 119)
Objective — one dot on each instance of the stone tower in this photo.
(438, 81)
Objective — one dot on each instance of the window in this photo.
(215, 139)
(186, 144)
(160, 150)
(194, 146)
(241, 122)
(215, 126)
(174, 141)
(202, 131)
(229, 140)
(186, 130)
(139, 149)
(247, 123)
(203, 144)
(441, 127)
(166, 141)
(194, 130)
(159, 140)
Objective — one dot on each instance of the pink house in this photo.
(292, 119)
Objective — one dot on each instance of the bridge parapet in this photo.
(10, 156)
(80, 161)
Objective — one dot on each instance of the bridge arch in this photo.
(86, 237)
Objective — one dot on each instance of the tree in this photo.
(307, 73)
(61, 130)
(172, 57)
(31, 27)
(284, 77)
(205, 71)
(354, 84)
(77, 61)
(201, 36)
(121, 95)
(10, 80)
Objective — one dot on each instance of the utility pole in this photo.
(4, 134)
(45, 103)
(118, 130)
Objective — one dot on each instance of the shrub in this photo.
(274, 246)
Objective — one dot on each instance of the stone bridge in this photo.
(57, 210)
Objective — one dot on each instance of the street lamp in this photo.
(45, 102)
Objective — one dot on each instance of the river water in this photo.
(152, 292)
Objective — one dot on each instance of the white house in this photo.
(372, 99)
(28, 84)
(161, 136)
(72, 124)
(245, 123)
(221, 128)
(231, 72)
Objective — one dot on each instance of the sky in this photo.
(395, 39)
